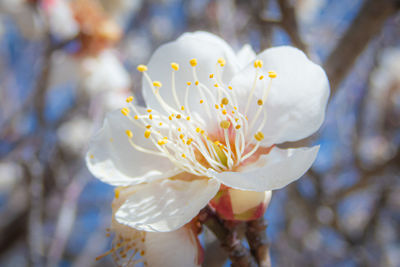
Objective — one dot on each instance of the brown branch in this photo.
(257, 237)
(238, 254)
(290, 25)
(364, 28)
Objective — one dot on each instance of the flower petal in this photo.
(272, 171)
(245, 55)
(112, 159)
(207, 49)
(298, 96)
(166, 205)
(172, 249)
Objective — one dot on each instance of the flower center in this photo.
(188, 140)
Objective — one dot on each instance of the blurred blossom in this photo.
(60, 19)
(229, 119)
(104, 72)
(97, 30)
(10, 175)
(75, 133)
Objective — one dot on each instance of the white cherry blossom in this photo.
(212, 118)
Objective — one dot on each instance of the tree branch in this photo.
(238, 254)
(257, 237)
(364, 28)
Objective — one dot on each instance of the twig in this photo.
(238, 254)
(257, 237)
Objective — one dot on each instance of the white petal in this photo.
(166, 205)
(246, 55)
(272, 171)
(297, 100)
(172, 249)
(206, 48)
(112, 159)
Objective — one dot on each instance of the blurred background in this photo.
(64, 64)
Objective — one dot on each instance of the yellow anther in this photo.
(233, 112)
(179, 129)
(160, 124)
(216, 106)
(173, 115)
(147, 133)
(258, 63)
(221, 105)
(225, 124)
(208, 138)
(178, 116)
(236, 119)
(193, 62)
(142, 68)
(224, 101)
(261, 77)
(165, 138)
(170, 118)
(189, 141)
(189, 83)
(216, 85)
(162, 142)
(211, 76)
(136, 117)
(202, 131)
(125, 111)
(183, 155)
(238, 127)
(129, 133)
(221, 62)
(148, 126)
(175, 66)
(149, 110)
(157, 84)
(183, 108)
(259, 136)
(129, 99)
(272, 74)
(91, 156)
(181, 136)
(188, 118)
(201, 101)
(150, 116)
(260, 102)
(224, 111)
(230, 87)
(116, 192)
(235, 108)
(216, 143)
(198, 129)
(196, 82)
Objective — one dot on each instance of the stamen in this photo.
(193, 62)
(129, 133)
(175, 66)
(142, 68)
(125, 111)
(147, 133)
(129, 99)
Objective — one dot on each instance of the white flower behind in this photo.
(209, 120)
